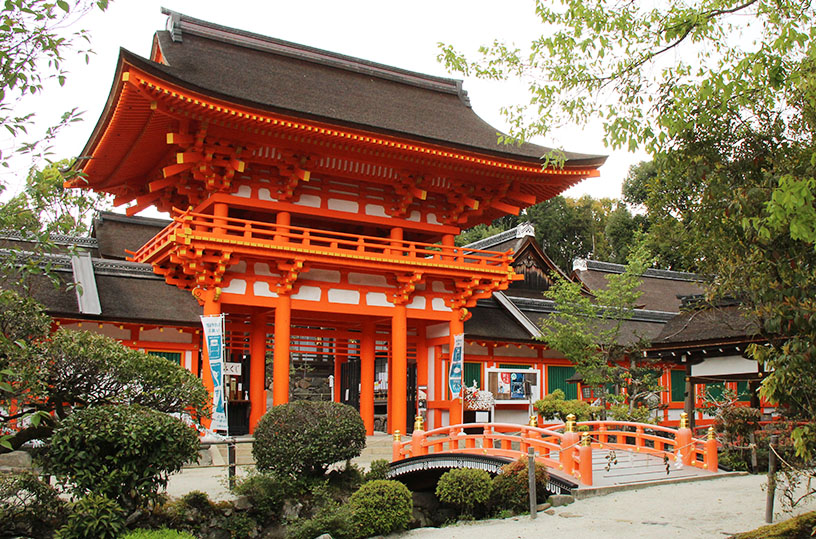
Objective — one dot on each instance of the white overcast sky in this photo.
(402, 34)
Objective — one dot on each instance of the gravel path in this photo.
(700, 509)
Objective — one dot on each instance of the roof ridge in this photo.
(178, 24)
(549, 306)
(58, 239)
(584, 264)
(519, 231)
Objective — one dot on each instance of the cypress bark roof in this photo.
(294, 79)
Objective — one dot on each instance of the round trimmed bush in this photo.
(380, 507)
(511, 486)
(306, 437)
(94, 516)
(123, 452)
(465, 489)
(28, 506)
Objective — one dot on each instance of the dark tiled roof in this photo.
(128, 292)
(661, 289)
(293, 79)
(116, 233)
(708, 325)
(493, 322)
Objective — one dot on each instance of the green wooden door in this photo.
(471, 372)
(557, 379)
(678, 386)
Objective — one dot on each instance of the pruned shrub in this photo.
(265, 493)
(333, 519)
(93, 516)
(377, 470)
(346, 479)
(511, 486)
(306, 437)
(28, 506)
(124, 452)
(554, 406)
(467, 490)
(163, 533)
(380, 507)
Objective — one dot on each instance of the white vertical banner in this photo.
(456, 365)
(214, 337)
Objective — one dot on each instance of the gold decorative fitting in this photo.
(711, 433)
(570, 426)
(586, 440)
(419, 423)
(683, 420)
(533, 421)
(397, 436)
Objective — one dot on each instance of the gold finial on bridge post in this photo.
(683, 420)
(397, 436)
(533, 421)
(570, 426)
(711, 433)
(586, 440)
(419, 423)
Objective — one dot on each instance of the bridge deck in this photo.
(633, 468)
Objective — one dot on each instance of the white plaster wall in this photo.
(503, 415)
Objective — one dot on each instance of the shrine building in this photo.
(314, 201)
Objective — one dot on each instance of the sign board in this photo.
(456, 365)
(232, 369)
(214, 338)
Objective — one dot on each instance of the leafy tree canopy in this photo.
(33, 46)
(568, 228)
(45, 206)
(650, 71)
(46, 376)
(722, 94)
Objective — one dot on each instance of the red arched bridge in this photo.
(590, 453)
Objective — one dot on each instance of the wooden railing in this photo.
(565, 447)
(188, 226)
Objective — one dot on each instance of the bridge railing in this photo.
(565, 447)
(654, 440)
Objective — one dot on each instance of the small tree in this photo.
(589, 332)
(45, 377)
(123, 452)
(465, 489)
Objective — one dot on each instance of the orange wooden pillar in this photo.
(399, 361)
(367, 357)
(456, 326)
(257, 370)
(280, 358)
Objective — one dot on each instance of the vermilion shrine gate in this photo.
(315, 199)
